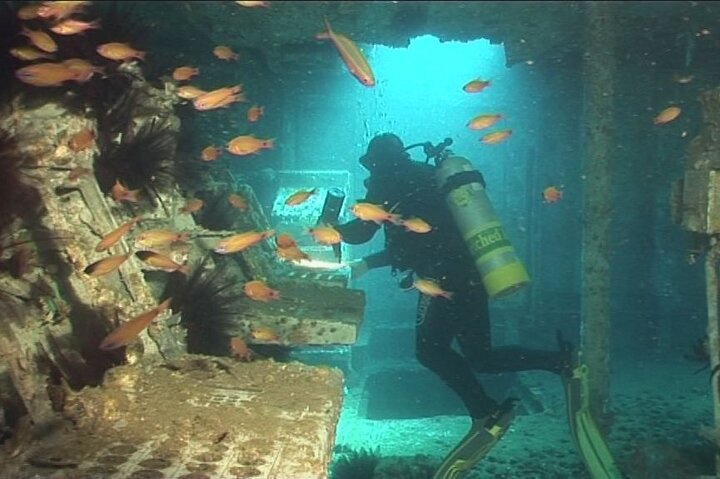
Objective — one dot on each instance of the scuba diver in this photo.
(410, 189)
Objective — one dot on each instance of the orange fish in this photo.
(240, 349)
(130, 331)
(259, 291)
(351, 55)
(189, 92)
(71, 26)
(159, 238)
(211, 153)
(249, 145)
(219, 98)
(28, 12)
(285, 241)
(185, 73)
(551, 194)
(292, 253)
(238, 202)
(59, 10)
(326, 235)
(120, 193)
(416, 225)
(242, 241)
(225, 53)
(120, 52)
(28, 53)
(192, 206)
(299, 197)
(481, 122)
(376, 213)
(255, 112)
(40, 39)
(84, 68)
(46, 74)
(667, 115)
(82, 140)
(496, 137)
(159, 261)
(431, 288)
(106, 265)
(265, 334)
(251, 4)
(476, 86)
(112, 238)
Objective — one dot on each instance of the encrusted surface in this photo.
(195, 415)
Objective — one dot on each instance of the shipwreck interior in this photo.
(322, 381)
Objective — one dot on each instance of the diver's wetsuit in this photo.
(443, 256)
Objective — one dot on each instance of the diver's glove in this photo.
(358, 268)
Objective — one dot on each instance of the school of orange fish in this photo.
(59, 14)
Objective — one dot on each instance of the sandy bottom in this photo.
(658, 409)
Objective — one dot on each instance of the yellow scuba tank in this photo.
(462, 186)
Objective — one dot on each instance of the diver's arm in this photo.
(357, 231)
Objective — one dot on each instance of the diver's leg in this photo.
(434, 332)
(474, 339)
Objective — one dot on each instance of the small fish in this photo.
(242, 241)
(376, 213)
(238, 202)
(185, 73)
(240, 349)
(28, 53)
(211, 153)
(46, 74)
(326, 235)
(265, 334)
(189, 92)
(496, 137)
(112, 238)
(431, 288)
(259, 291)
(159, 238)
(40, 39)
(249, 145)
(225, 53)
(219, 98)
(416, 225)
(292, 253)
(192, 206)
(481, 122)
(351, 55)
(159, 261)
(130, 331)
(60, 10)
(28, 12)
(71, 26)
(284, 240)
(299, 197)
(255, 112)
(120, 52)
(106, 265)
(667, 115)
(84, 68)
(82, 140)
(683, 79)
(476, 86)
(78, 172)
(552, 194)
(120, 193)
(251, 4)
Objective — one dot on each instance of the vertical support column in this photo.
(599, 77)
(713, 331)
